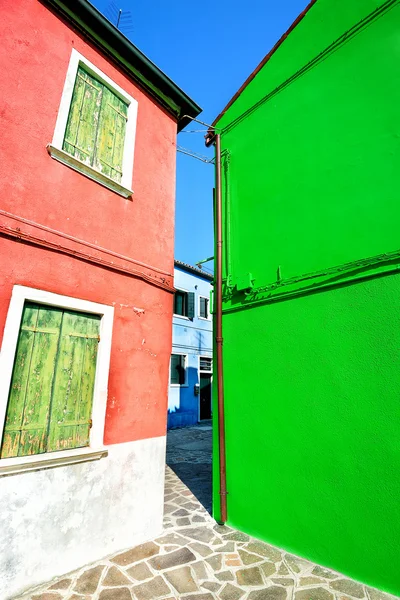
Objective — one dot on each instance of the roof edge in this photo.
(86, 18)
(194, 270)
(265, 60)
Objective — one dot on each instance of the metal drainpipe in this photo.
(219, 338)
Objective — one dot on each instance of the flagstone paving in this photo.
(189, 454)
(199, 560)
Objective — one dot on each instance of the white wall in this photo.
(55, 520)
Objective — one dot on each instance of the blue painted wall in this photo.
(193, 338)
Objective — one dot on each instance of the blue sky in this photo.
(208, 49)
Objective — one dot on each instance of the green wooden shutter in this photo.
(96, 126)
(83, 119)
(111, 135)
(74, 382)
(204, 307)
(179, 303)
(190, 309)
(31, 385)
(50, 400)
(176, 368)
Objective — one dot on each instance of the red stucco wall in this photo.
(34, 56)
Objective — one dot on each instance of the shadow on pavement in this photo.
(189, 454)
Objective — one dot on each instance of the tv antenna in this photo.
(122, 19)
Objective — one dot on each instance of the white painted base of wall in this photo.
(56, 520)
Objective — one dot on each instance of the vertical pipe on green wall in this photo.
(218, 336)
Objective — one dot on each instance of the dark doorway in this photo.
(205, 396)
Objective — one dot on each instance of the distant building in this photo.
(189, 398)
(87, 177)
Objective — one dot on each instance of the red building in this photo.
(88, 127)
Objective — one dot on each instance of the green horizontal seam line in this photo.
(111, 167)
(88, 82)
(117, 111)
(344, 270)
(77, 147)
(56, 331)
(83, 335)
(340, 269)
(39, 330)
(35, 427)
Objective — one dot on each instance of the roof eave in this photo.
(193, 270)
(85, 17)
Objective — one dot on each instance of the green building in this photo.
(310, 150)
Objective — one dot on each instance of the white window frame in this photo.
(178, 289)
(201, 371)
(205, 371)
(180, 385)
(55, 149)
(95, 450)
(208, 308)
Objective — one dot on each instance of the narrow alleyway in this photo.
(197, 559)
(189, 454)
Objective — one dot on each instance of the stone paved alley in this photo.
(196, 559)
(189, 454)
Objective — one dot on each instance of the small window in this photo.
(50, 401)
(205, 364)
(204, 313)
(178, 370)
(184, 304)
(96, 126)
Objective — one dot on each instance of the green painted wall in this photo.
(311, 155)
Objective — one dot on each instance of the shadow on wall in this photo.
(200, 340)
(187, 413)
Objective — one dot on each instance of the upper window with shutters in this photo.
(184, 304)
(96, 125)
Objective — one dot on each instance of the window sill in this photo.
(204, 319)
(22, 464)
(182, 317)
(77, 165)
(179, 385)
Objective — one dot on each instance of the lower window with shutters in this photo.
(50, 402)
(178, 369)
(54, 364)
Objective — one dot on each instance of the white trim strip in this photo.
(22, 464)
(70, 161)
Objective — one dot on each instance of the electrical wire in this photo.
(196, 155)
